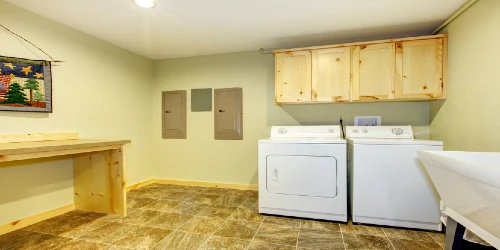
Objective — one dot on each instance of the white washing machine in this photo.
(388, 185)
(303, 173)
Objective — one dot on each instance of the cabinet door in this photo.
(293, 76)
(373, 72)
(419, 67)
(331, 74)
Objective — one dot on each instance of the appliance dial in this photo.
(365, 130)
(282, 131)
(355, 131)
(331, 130)
(397, 131)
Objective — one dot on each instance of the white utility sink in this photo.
(469, 185)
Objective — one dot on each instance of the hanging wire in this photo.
(24, 39)
(24, 44)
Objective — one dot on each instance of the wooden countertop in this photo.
(60, 147)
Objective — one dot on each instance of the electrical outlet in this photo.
(340, 117)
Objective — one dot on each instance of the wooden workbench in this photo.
(99, 166)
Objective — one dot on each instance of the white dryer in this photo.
(388, 185)
(303, 173)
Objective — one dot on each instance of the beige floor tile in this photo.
(320, 225)
(217, 242)
(361, 229)
(189, 208)
(204, 198)
(366, 242)
(169, 220)
(109, 233)
(171, 188)
(404, 244)
(439, 237)
(217, 211)
(113, 247)
(136, 202)
(216, 191)
(285, 221)
(277, 234)
(152, 193)
(193, 189)
(82, 227)
(139, 217)
(238, 229)
(117, 217)
(80, 213)
(55, 225)
(251, 201)
(320, 239)
(180, 196)
(257, 245)
(18, 238)
(182, 241)
(246, 214)
(230, 201)
(161, 205)
(46, 242)
(204, 225)
(142, 238)
(82, 245)
(246, 193)
(407, 234)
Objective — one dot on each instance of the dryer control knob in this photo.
(331, 130)
(365, 131)
(397, 131)
(355, 131)
(282, 131)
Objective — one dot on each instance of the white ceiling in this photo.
(180, 28)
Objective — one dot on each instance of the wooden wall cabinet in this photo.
(322, 75)
(419, 66)
(331, 74)
(373, 72)
(293, 76)
(408, 69)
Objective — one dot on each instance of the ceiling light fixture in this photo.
(145, 3)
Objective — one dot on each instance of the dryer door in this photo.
(302, 175)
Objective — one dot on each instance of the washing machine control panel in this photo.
(305, 132)
(379, 132)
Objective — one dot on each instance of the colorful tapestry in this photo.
(25, 85)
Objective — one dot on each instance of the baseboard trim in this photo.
(207, 184)
(140, 184)
(18, 224)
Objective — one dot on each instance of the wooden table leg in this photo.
(99, 182)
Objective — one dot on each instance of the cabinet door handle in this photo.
(275, 176)
(168, 112)
(221, 111)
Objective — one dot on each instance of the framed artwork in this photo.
(25, 85)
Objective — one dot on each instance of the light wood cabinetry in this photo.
(293, 76)
(385, 70)
(419, 66)
(373, 72)
(331, 74)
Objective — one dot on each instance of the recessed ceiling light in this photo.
(145, 3)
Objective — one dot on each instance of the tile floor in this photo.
(184, 218)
